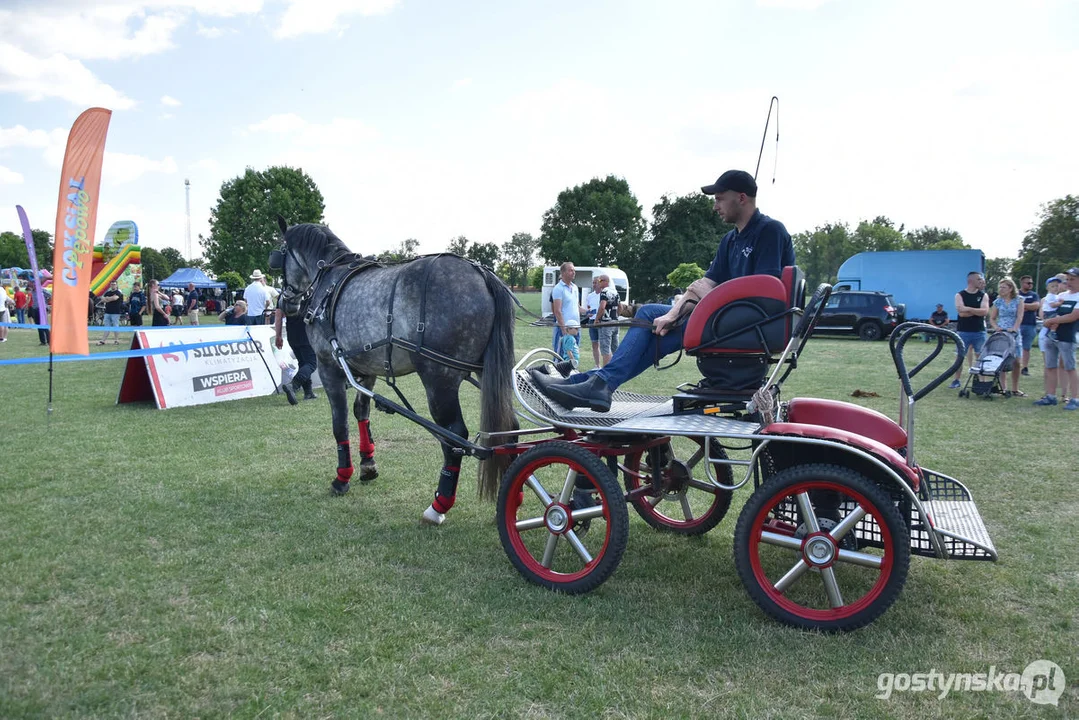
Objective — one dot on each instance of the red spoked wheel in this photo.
(822, 547)
(562, 518)
(686, 503)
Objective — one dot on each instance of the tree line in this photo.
(599, 222)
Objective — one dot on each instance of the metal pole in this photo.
(187, 194)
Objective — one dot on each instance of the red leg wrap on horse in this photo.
(344, 461)
(367, 443)
(447, 489)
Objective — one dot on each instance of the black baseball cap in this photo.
(737, 180)
(1072, 271)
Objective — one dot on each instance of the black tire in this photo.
(870, 331)
(771, 542)
(699, 504)
(554, 543)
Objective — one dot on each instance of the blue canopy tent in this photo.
(183, 276)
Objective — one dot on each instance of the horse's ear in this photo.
(282, 224)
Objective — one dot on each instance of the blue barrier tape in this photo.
(118, 328)
(164, 350)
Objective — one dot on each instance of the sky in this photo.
(435, 119)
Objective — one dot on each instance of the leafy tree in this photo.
(877, 236)
(233, 280)
(535, 278)
(174, 258)
(13, 249)
(684, 230)
(934, 238)
(820, 253)
(485, 254)
(405, 251)
(996, 269)
(684, 275)
(1053, 245)
(199, 263)
(154, 265)
(243, 224)
(519, 253)
(458, 246)
(597, 223)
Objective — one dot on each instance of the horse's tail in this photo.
(496, 387)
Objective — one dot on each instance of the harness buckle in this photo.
(420, 326)
(367, 347)
(389, 318)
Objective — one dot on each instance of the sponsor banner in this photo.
(76, 216)
(242, 365)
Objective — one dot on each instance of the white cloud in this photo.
(170, 101)
(210, 33)
(167, 116)
(319, 16)
(119, 168)
(20, 136)
(340, 132)
(56, 76)
(9, 177)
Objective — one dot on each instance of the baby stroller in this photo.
(996, 358)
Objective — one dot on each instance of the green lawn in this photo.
(191, 563)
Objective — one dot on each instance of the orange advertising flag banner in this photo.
(76, 217)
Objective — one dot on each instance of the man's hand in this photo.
(279, 342)
(662, 324)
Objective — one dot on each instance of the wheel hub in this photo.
(557, 518)
(819, 550)
(676, 477)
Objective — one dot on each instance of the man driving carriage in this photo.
(759, 245)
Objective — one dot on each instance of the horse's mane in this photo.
(317, 240)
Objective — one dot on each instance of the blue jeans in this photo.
(972, 339)
(637, 350)
(20, 313)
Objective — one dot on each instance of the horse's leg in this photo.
(361, 408)
(333, 381)
(442, 386)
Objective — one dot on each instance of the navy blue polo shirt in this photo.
(763, 247)
(1029, 316)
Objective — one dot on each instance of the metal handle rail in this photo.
(908, 396)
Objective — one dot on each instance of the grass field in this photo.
(191, 563)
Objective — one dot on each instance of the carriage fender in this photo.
(847, 416)
(839, 438)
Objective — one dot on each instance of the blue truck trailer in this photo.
(919, 279)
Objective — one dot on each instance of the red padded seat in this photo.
(850, 417)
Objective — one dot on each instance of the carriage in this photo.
(839, 504)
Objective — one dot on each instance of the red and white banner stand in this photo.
(245, 366)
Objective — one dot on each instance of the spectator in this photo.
(565, 303)
(21, 301)
(1006, 315)
(1047, 310)
(235, 315)
(114, 305)
(136, 304)
(39, 316)
(939, 318)
(192, 304)
(1062, 353)
(971, 307)
(607, 312)
(257, 296)
(570, 345)
(757, 245)
(591, 303)
(296, 331)
(157, 301)
(1029, 328)
(7, 304)
(177, 307)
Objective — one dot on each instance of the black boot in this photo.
(308, 393)
(592, 393)
(290, 393)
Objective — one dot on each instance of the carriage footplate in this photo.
(959, 528)
(624, 405)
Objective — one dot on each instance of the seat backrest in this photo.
(746, 315)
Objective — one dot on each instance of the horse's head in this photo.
(305, 252)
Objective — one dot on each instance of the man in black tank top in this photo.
(971, 306)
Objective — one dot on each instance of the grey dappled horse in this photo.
(447, 317)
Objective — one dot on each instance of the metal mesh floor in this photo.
(629, 413)
(956, 519)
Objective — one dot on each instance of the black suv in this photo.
(869, 313)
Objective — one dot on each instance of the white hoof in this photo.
(432, 516)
